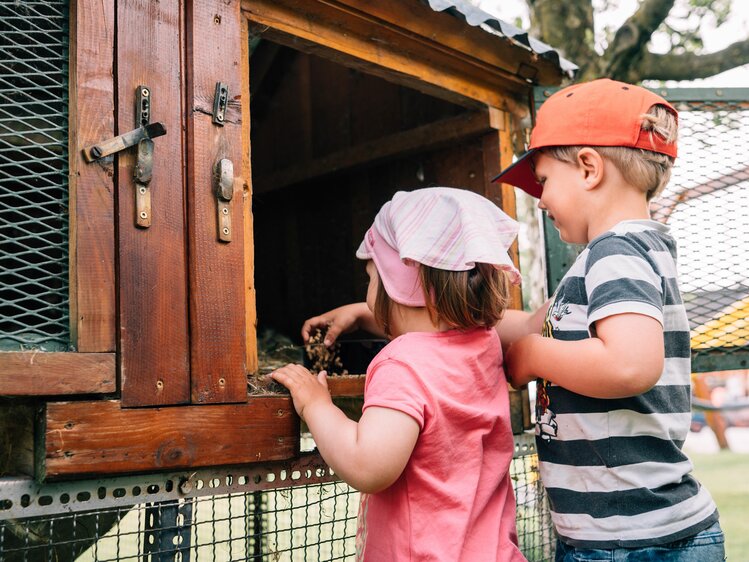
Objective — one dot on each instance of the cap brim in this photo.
(520, 174)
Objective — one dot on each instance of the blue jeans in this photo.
(706, 546)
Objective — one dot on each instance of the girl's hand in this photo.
(518, 360)
(338, 321)
(306, 389)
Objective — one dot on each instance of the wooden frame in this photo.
(153, 331)
(195, 339)
(32, 373)
(91, 369)
(92, 278)
(216, 268)
(476, 69)
(87, 438)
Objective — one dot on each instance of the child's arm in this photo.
(516, 324)
(369, 455)
(341, 320)
(625, 358)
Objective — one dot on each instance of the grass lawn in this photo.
(725, 474)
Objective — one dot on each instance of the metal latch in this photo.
(123, 141)
(223, 181)
(142, 136)
(220, 101)
(144, 160)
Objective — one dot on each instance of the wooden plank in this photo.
(498, 154)
(92, 285)
(250, 307)
(419, 139)
(357, 38)
(153, 328)
(346, 385)
(87, 438)
(217, 281)
(30, 373)
(460, 39)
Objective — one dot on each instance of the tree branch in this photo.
(688, 66)
(567, 25)
(631, 38)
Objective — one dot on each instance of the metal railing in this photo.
(296, 511)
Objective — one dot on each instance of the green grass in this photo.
(726, 475)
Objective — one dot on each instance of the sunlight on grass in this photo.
(725, 475)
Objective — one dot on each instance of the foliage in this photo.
(633, 50)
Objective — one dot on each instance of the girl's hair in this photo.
(647, 170)
(461, 299)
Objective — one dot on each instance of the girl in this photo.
(432, 450)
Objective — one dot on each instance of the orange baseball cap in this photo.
(598, 113)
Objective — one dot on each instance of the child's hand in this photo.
(517, 360)
(305, 388)
(341, 320)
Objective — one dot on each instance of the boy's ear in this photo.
(590, 163)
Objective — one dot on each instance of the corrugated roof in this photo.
(471, 14)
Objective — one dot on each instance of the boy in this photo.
(613, 405)
(613, 363)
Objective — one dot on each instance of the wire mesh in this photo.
(309, 522)
(706, 207)
(33, 175)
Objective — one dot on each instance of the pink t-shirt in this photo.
(454, 500)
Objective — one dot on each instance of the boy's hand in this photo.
(306, 389)
(517, 360)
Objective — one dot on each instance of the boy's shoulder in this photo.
(640, 238)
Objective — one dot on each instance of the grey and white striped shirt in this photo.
(613, 468)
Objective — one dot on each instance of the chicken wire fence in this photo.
(294, 511)
(33, 175)
(706, 208)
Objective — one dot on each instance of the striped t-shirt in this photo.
(613, 468)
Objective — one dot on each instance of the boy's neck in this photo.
(614, 204)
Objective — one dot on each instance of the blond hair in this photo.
(647, 170)
(463, 300)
